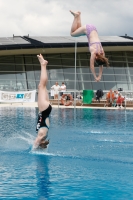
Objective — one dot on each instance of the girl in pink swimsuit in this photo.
(95, 47)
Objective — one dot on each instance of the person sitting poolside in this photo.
(115, 98)
(95, 46)
(120, 101)
(110, 98)
(99, 95)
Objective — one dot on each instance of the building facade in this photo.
(20, 69)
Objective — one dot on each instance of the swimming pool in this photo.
(89, 156)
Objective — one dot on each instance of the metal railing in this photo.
(76, 94)
(128, 95)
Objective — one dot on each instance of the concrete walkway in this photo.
(34, 104)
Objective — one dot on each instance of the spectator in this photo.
(56, 88)
(52, 93)
(116, 93)
(120, 100)
(110, 98)
(99, 94)
(62, 88)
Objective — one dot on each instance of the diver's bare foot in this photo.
(75, 14)
(41, 60)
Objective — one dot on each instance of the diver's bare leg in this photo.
(77, 29)
(76, 22)
(43, 100)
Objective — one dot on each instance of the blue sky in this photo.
(52, 17)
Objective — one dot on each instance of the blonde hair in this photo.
(102, 58)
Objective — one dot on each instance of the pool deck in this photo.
(34, 104)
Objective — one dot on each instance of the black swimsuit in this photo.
(42, 116)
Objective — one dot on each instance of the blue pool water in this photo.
(90, 155)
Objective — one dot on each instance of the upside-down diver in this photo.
(95, 47)
(44, 108)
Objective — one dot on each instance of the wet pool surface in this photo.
(89, 156)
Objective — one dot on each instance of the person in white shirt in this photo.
(116, 94)
(56, 89)
(52, 93)
(62, 88)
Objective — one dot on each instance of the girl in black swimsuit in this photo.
(44, 107)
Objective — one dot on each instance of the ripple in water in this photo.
(89, 156)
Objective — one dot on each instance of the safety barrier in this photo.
(69, 98)
(17, 96)
(128, 100)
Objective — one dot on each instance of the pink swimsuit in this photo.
(89, 29)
